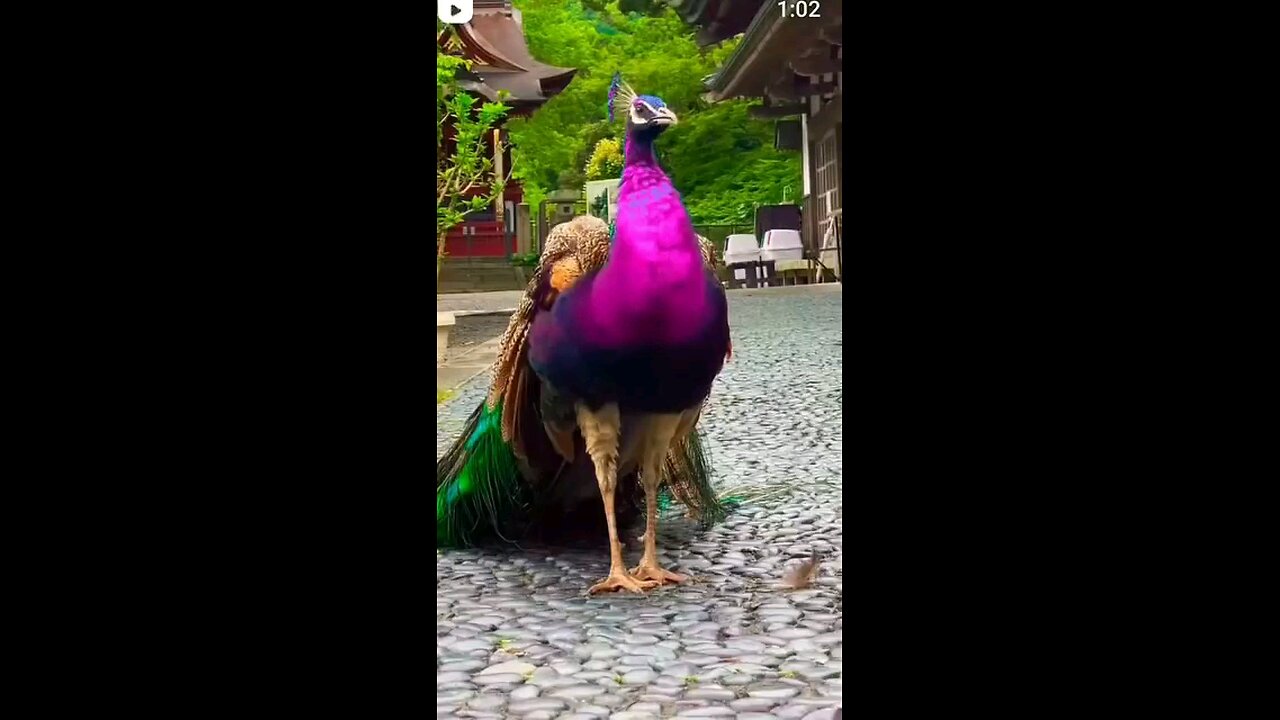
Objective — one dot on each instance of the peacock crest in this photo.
(620, 95)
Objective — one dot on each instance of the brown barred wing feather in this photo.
(572, 249)
(708, 252)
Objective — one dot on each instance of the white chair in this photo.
(782, 245)
(783, 251)
(740, 249)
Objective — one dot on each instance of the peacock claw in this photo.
(653, 573)
(622, 581)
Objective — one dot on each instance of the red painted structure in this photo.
(482, 237)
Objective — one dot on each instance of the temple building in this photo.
(494, 41)
(793, 60)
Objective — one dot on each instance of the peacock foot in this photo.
(653, 573)
(621, 581)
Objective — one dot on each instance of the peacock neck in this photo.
(638, 153)
(652, 225)
(652, 287)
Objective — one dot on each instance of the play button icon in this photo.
(455, 11)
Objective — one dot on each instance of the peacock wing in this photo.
(708, 253)
(572, 249)
(686, 472)
(709, 257)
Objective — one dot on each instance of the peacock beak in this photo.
(665, 117)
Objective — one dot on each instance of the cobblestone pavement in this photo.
(518, 637)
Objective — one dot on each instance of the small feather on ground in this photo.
(802, 575)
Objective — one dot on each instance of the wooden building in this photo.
(494, 41)
(795, 64)
(717, 19)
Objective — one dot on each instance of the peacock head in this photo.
(647, 115)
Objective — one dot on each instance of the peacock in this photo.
(601, 378)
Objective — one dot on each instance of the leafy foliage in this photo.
(725, 165)
(606, 160)
(722, 162)
(529, 259)
(465, 161)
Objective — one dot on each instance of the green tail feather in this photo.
(688, 477)
(478, 486)
(479, 491)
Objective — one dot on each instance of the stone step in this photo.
(480, 275)
(444, 323)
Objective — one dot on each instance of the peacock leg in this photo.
(661, 434)
(601, 430)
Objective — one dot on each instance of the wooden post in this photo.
(523, 220)
(499, 202)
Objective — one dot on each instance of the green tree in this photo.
(725, 165)
(606, 160)
(464, 160)
(722, 161)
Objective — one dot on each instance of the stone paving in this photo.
(495, 301)
(518, 637)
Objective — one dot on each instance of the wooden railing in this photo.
(477, 238)
(831, 240)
